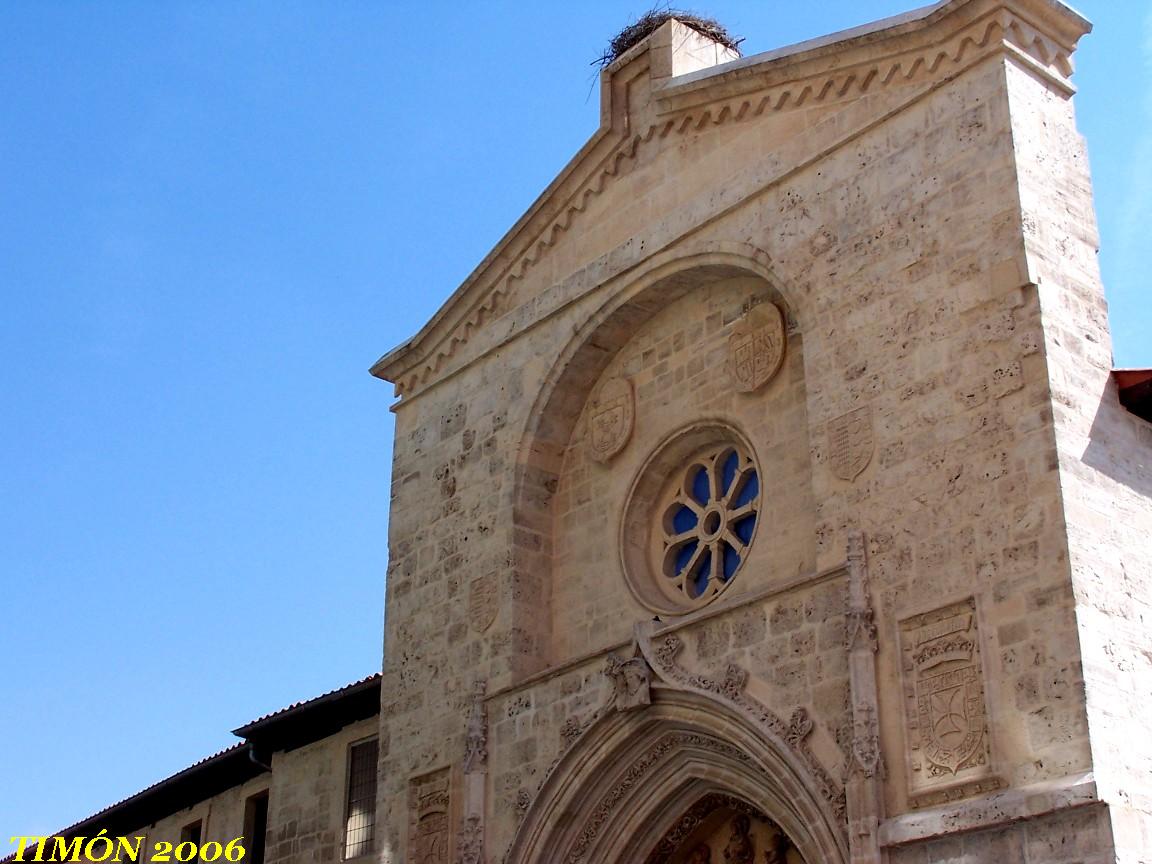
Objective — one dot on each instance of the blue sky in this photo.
(215, 216)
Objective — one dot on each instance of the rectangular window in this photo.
(360, 824)
(191, 833)
(256, 826)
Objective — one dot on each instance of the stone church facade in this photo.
(765, 494)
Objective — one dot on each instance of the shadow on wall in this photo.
(1120, 443)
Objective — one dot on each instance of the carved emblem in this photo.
(470, 845)
(946, 715)
(756, 348)
(850, 443)
(701, 854)
(739, 849)
(611, 418)
(476, 738)
(428, 800)
(482, 602)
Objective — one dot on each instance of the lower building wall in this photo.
(1080, 836)
(307, 791)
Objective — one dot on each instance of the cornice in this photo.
(941, 42)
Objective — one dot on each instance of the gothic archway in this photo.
(619, 790)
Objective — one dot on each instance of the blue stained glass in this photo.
(749, 491)
(731, 562)
(700, 490)
(703, 574)
(684, 520)
(728, 472)
(743, 528)
(684, 555)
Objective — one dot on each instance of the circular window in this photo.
(690, 520)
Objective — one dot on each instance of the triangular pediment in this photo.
(677, 84)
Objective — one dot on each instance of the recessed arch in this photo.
(616, 792)
(632, 299)
(644, 291)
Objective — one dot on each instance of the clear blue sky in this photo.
(214, 217)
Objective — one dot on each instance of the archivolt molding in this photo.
(1000, 29)
(657, 664)
(730, 688)
(634, 775)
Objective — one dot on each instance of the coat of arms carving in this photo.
(428, 802)
(944, 686)
(610, 419)
(482, 602)
(756, 348)
(850, 443)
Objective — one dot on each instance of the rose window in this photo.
(708, 521)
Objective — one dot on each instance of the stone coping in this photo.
(991, 811)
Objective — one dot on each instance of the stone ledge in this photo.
(991, 811)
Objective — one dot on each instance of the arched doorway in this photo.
(665, 779)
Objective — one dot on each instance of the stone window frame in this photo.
(644, 528)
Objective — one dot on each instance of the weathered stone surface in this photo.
(914, 202)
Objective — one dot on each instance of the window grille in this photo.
(360, 825)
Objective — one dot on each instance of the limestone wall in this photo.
(887, 222)
(1105, 459)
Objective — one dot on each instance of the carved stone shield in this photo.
(850, 443)
(482, 602)
(756, 348)
(611, 419)
(947, 720)
(951, 715)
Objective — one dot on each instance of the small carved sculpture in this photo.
(631, 683)
(739, 849)
(476, 740)
(700, 855)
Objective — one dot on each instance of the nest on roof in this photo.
(652, 19)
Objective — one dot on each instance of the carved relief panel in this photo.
(429, 818)
(949, 751)
(610, 419)
(756, 348)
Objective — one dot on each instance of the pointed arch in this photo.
(626, 781)
(635, 297)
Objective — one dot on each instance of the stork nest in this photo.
(654, 18)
